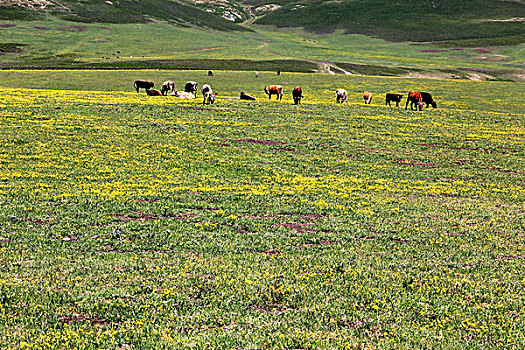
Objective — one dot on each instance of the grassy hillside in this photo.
(98, 11)
(136, 222)
(410, 20)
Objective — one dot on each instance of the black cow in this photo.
(427, 98)
(393, 97)
(245, 96)
(143, 84)
(191, 86)
(297, 95)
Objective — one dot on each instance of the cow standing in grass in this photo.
(167, 86)
(341, 95)
(191, 86)
(367, 96)
(143, 84)
(393, 97)
(297, 95)
(208, 94)
(428, 100)
(274, 90)
(414, 98)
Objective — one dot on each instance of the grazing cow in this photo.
(208, 94)
(191, 86)
(427, 98)
(393, 97)
(257, 74)
(297, 95)
(279, 72)
(341, 95)
(210, 73)
(183, 94)
(153, 92)
(143, 84)
(167, 86)
(414, 97)
(367, 97)
(245, 96)
(274, 90)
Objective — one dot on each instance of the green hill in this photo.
(123, 11)
(407, 20)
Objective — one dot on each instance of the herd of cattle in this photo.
(415, 98)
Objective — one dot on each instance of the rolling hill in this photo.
(478, 39)
(502, 21)
(408, 20)
(117, 11)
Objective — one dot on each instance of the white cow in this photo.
(341, 95)
(208, 94)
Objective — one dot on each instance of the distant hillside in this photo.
(502, 21)
(116, 11)
(407, 20)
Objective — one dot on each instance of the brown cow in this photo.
(167, 86)
(143, 84)
(274, 90)
(153, 92)
(367, 96)
(245, 96)
(341, 95)
(393, 97)
(414, 97)
(297, 95)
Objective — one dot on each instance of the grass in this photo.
(150, 223)
(62, 44)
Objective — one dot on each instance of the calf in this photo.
(367, 96)
(274, 90)
(153, 92)
(427, 98)
(208, 94)
(191, 86)
(341, 95)
(183, 94)
(297, 95)
(143, 84)
(167, 86)
(414, 97)
(245, 96)
(393, 97)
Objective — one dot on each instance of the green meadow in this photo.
(136, 222)
(56, 43)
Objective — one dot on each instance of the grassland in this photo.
(132, 222)
(62, 44)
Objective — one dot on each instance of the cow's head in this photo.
(267, 90)
(420, 104)
(434, 104)
(212, 97)
(399, 97)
